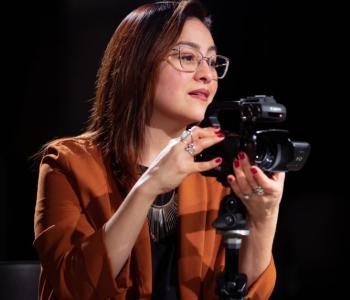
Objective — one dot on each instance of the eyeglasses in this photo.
(189, 59)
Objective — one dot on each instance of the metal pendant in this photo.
(162, 219)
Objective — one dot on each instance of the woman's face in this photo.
(181, 97)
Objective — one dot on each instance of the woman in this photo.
(123, 211)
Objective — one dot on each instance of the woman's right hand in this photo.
(174, 162)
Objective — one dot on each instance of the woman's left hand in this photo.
(261, 194)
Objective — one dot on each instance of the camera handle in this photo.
(231, 223)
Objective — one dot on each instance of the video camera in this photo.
(269, 149)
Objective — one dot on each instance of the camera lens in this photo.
(265, 151)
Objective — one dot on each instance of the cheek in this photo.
(215, 88)
(170, 83)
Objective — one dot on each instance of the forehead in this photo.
(197, 34)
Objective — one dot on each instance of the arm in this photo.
(72, 253)
(165, 173)
(262, 215)
(256, 249)
(80, 259)
(131, 215)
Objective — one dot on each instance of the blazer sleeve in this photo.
(263, 286)
(72, 253)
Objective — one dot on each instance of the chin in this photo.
(196, 118)
(195, 110)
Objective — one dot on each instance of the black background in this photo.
(289, 49)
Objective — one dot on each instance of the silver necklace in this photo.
(162, 215)
(162, 219)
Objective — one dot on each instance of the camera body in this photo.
(269, 149)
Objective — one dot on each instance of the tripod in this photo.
(231, 223)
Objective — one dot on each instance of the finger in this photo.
(245, 165)
(207, 165)
(209, 141)
(279, 176)
(196, 147)
(205, 130)
(237, 191)
(264, 181)
(241, 178)
(234, 185)
(199, 132)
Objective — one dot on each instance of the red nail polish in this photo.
(236, 163)
(218, 160)
(229, 178)
(220, 134)
(216, 127)
(253, 170)
(241, 155)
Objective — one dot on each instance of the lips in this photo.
(202, 94)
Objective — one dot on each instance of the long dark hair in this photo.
(127, 76)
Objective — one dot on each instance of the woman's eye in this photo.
(188, 57)
(213, 62)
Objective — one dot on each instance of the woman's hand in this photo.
(165, 173)
(176, 160)
(260, 193)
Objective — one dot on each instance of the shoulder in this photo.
(72, 152)
(70, 145)
(80, 160)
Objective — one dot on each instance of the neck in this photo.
(156, 138)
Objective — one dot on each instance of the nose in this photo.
(204, 73)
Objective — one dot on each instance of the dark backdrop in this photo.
(288, 49)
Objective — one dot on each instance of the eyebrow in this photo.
(194, 45)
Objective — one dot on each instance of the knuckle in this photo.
(198, 148)
(204, 143)
(251, 182)
(240, 176)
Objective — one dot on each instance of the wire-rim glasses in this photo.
(189, 59)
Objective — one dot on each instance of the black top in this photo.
(164, 269)
(164, 262)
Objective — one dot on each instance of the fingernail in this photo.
(220, 134)
(216, 127)
(236, 163)
(218, 160)
(241, 155)
(253, 170)
(229, 178)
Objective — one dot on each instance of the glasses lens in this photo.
(189, 59)
(221, 66)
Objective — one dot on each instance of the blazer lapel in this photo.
(192, 222)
